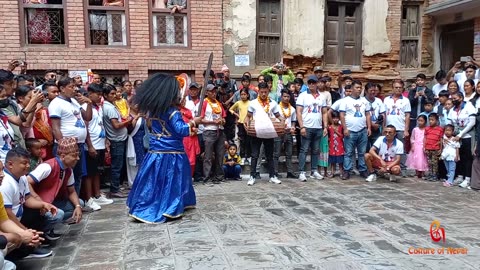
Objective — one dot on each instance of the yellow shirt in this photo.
(122, 107)
(241, 107)
(3, 212)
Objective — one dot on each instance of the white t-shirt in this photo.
(14, 193)
(388, 154)
(336, 106)
(439, 87)
(291, 117)
(462, 76)
(189, 104)
(450, 147)
(71, 121)
(396, 110)
(327, 96)
(460, 119)
(6, 136)
(209, 115)
(355, 110)
(254, 106)
(377, 107)
(312, 109)
(95, 127)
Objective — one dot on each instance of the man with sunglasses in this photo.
(385, 156)
(50, 75)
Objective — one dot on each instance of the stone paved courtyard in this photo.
(329, 224)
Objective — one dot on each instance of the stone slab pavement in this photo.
(328, 224)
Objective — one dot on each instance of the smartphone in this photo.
(464, 59)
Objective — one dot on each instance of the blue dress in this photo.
(163, 186)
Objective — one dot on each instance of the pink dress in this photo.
(417, 159)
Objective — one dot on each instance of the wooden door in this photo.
(269, 28)
(343, 34)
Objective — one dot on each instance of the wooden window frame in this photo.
(113, 9)
(22, 18)
(359, 49)
(419, 5)
(152, 11)
(112, 72)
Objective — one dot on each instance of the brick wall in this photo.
(382, 68)
(137, 58)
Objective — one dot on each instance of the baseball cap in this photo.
(312, 78)
(211, 87)
(317, 68)
(194, 85)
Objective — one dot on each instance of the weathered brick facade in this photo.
(137, 58)
(383, 68)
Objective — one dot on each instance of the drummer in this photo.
(257, 108)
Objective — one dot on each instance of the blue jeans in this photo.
(117, 152)
(359, 140)
(312, 141)
(232, 171)
(451, 166)
(66, 207)
(51, 220)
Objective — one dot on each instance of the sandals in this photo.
(330, 175)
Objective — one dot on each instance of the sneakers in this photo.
(274, 180)
(242, 162)
(292, 175)
(102, 200)
(317, 176)
(39, 253)
(51, 236)
(364, 174)
(372, 177)
(465, 183)
(404, 174)
(257, 175)
(92, 204)
(302, 177)
(87, 209)
(117, 195)
(251, 181)
(458, 181)
(345, 175)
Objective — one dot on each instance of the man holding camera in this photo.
(281, 76)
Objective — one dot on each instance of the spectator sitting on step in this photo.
(176, 5)
(53, 181)
(25, 210)
(231, 163)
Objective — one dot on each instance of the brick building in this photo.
(456, 30)
(378, 40)
(123, 39)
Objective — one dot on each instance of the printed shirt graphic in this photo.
(377, 108)
(388, 154)
(355, 110)
(396, 110)
(14, 193)
(312, 109)
(6, 135)
(69, 113)
(95, 127)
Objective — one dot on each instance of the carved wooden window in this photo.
(410, 30)
(42, 22)
(106, 22)
(169, 28)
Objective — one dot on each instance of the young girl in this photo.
(450, 154)
(240, 110)
(336, 150)
(417, 159)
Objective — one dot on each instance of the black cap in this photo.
(194, 85)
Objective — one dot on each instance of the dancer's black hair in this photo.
(157, 94)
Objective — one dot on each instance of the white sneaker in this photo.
(251, 181)
(302, 177)
(242, 162)
(93, 205)
(317, 176)
(372, 177)
(458, 180)
(102, 200)
(465, 183)
(274, 180)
